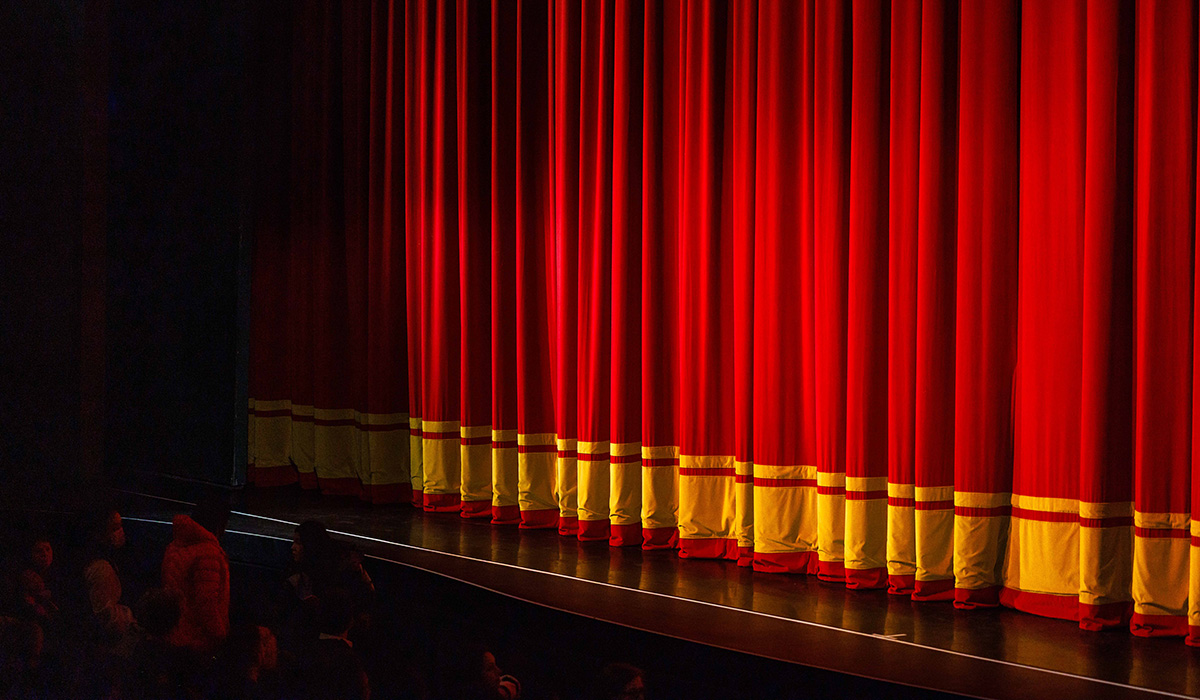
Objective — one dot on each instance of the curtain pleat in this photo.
(986, 292)
(1164, 231)
(593, 280)
(503, 207)
(1106, 412)
(784, 392)
(903, 144)
(537, 449)
(707, 501)
(662, 122)
(1041, 573)
(474, 94)
(865, 549)
(624, 306)
(898, 294)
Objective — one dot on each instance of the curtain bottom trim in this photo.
(1141, 625)
(625, 535)
(1092, 617)
(506, 515)
(476, 509)
(592, 530)
(660, 538)
(709, 548)
(540, 519)
(974, 598)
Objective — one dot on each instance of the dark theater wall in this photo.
(132, 138)
(178, 243)
(42, 128)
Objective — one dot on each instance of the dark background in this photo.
(129, 134)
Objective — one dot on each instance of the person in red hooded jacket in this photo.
(197, 567)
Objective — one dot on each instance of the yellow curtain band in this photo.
(535, 439)
(440, 426)
(981, 499)
(831, 480)
(706, 461)
(474, 432)
(866, 483)
(1162, 521)
(414, 422)
(599, 447)
(625, 449)
(274, 406)
(793, 471)
(1101, 511)
(567, 444)
(1044, 503)
(934, 493)
(660, 451)
(743, 468)
(907, 491)
(504, 436)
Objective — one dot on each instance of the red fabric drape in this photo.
(662, 120)
(784, 392)
(890, 293)
(867, 303)
(473, 77)
(986, 294)
(1164, 232)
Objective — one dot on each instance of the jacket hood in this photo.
(188, 531)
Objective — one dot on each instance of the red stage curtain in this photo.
(894, 293)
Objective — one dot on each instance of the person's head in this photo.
(336, 614)
(105, 528)
(41, 554)
(491, 672)
(310, 542)
(620, 681)
(212, 513)
(158, 611)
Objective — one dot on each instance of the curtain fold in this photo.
(898, 294)
(784, 392)
(985, 351)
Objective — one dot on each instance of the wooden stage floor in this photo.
(995, 653)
